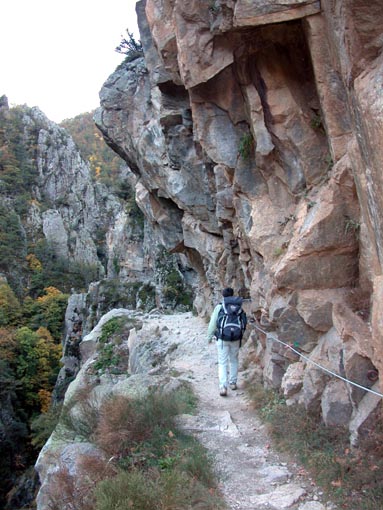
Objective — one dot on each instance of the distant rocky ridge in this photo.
(253, 130)
(67, 207)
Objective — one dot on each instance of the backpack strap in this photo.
(224, 319)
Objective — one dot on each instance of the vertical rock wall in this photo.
(253, 130)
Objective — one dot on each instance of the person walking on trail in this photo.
(227, 324)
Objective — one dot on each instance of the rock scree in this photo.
(251, 475)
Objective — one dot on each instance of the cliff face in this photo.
(62, 203)
(253, 131)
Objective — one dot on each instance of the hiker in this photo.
(227, 324)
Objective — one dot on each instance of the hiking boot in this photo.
(233, 386)
(223, 392)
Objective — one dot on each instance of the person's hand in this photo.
(209, 339)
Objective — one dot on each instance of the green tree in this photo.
(10, 308)
(17, 169)
(12, 239)
(47, 311)
(27, 364)
(37, 363)
(7, 345)
(13, 430)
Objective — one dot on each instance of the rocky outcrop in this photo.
(143, 350)
(253, 130)
(69, 208)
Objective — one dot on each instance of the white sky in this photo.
(56, 54)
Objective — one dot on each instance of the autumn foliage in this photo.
(30, 344)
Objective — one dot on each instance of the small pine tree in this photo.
(130, 47)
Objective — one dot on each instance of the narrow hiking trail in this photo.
(252, 476)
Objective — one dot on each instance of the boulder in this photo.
(336, 404)
(328, 355)
(292, 381)
(365, 415)
(315, 306)
(274, 364)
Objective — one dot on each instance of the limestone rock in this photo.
(70, 459)
(55, 232)
(89, 342)
(315, 306)
(65, 450)
(159, 17)
(364, 416)
(253, 130)
(377, 323)
(357, 349)
(292, 381)
(331, 89)
(71, 210)
(322, 252)
(283, 496)
(336, 404)
(198, 48)
(146, 352)
(275, 364)
(327, 354)
(74, 323)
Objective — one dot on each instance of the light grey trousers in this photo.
(227, 362)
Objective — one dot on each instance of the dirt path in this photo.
(252, 476)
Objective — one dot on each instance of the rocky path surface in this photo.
(252, 476)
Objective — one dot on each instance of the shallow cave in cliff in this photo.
(170, 88)
(279, 49)
(269, 94)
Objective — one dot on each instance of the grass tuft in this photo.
(79, 416)
(159, 467)
(246, 146)
(352, 478)
(147, 463)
